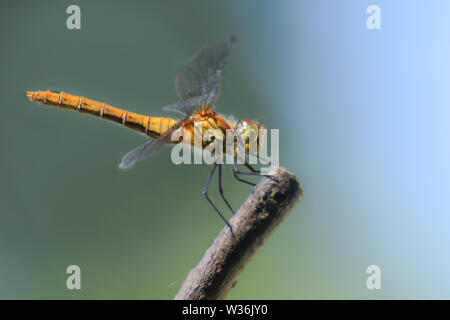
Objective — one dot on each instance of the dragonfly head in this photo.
(250, 131)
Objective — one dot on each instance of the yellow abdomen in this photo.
(152, 126)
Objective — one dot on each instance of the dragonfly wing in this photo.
(140, 153)
(147, 149)
(202, 76)
(198, 84)
(186, 107)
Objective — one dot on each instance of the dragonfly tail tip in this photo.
(30, 95)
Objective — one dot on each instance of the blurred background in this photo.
(363, 118)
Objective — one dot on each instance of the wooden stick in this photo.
(268, 205)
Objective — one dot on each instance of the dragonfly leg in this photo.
(221, 189)
(267, 162)
(205, 193)
(264, 160)
(254, 172)
(236, 173)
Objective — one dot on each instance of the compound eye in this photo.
(251, 132)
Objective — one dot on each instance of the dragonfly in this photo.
(198, 84)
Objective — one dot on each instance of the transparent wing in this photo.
(202, 76)
(147, 149)
(186, 107)
(198, 84)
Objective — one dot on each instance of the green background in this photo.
(363, 118)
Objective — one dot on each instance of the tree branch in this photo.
(267, 206)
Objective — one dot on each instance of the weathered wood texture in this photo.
(267, 206)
